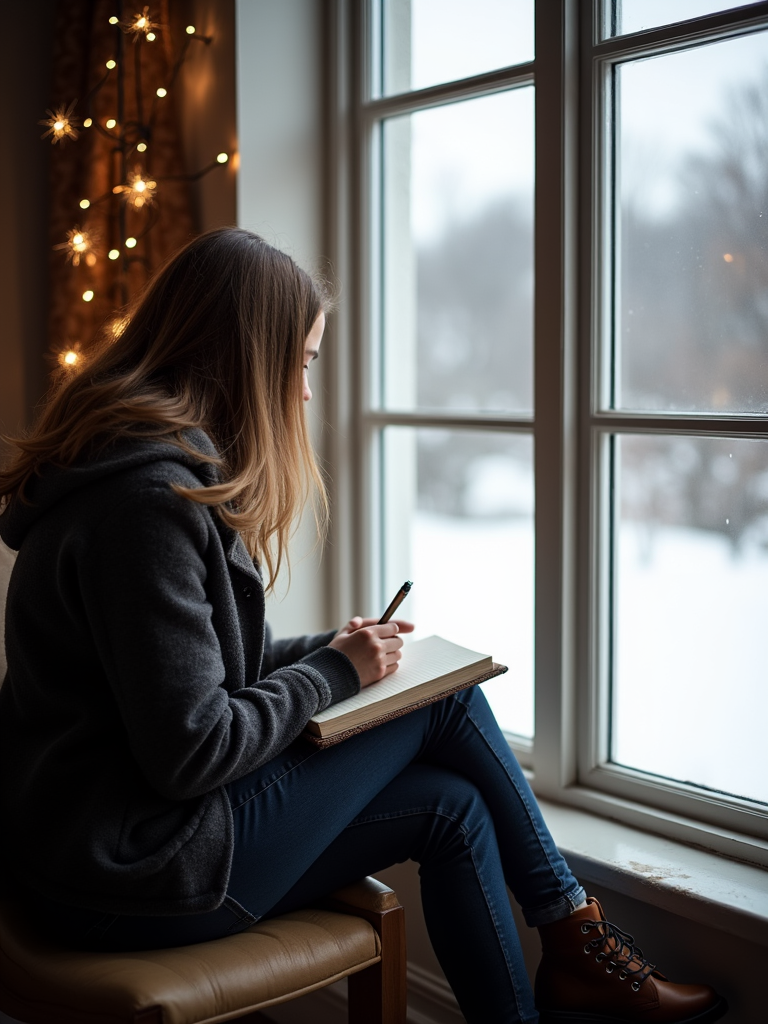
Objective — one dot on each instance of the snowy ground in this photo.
(691, 693)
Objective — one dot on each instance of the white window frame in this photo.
(572, 308)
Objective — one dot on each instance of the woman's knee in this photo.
(455, 813)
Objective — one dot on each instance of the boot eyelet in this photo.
(635, 986)
(622, 976)
(609, 969)
(599, 958)
(584, 929)
(587, 949)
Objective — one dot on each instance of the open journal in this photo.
(429, 670)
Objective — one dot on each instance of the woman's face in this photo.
(312, 350)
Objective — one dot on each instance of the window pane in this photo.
(458, 256)
(427, 42)
(690, 699)
(458, 521)
(692, 312)
(635, 15)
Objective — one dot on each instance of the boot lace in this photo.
(619, 949)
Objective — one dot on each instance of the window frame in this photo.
(573, 309)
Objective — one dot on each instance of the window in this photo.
(558, 272)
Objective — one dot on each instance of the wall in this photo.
(279, 195)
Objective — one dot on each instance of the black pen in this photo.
(396, 601)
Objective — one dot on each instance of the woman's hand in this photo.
(374, 650)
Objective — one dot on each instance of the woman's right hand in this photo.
(374, 650)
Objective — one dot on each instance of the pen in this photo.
(396, 601)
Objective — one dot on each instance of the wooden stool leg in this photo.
(377, 995)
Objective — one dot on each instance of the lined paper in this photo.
(422, 661)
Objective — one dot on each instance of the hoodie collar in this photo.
(54, 483)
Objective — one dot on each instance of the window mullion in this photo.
(554, 394)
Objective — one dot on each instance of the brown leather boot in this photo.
(593, 973)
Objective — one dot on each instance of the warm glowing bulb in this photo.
(70, 358)
(111, 122)
(79, 243)
(222, 158)
(162, 92)
(113, 254)
(728, 257)
(151, 37)
(113, 20)
(141, 148)
(60, 124)
(140, 185)
(84, 204)
(111, 64)
(141, 22)
(87, 296)
(190, 30)
(87, 122)
(90, 259)
(130, 242)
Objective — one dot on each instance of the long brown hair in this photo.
(216, 341)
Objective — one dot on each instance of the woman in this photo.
(152, 772)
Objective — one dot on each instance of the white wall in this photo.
(279, 195)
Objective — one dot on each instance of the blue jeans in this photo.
(438, 786)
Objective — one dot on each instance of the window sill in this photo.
(695, 884)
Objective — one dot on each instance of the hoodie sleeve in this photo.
(278, 653)
(194, 718)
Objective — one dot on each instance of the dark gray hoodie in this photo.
(141, 679)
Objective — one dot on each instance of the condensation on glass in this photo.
(429, 42)
(458, 521)
(689, 699)
(691, 270)
(457, 226)
(625, 16)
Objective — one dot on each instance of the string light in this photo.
(138, 191)
(141, 25)
(728, 257)
(78, 246)
(70, 357)
(60, 124)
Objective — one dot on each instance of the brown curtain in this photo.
(99, 159)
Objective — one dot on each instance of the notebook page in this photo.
(422, 660)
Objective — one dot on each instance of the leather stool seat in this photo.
(271, 962)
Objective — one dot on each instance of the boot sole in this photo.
(569, 1017)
